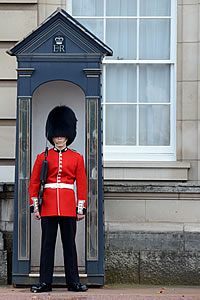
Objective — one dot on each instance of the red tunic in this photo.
(64, 167)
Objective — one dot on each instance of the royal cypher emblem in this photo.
(59, 44)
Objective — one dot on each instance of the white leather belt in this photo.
(59, 186)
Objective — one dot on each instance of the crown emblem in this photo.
(59, 40)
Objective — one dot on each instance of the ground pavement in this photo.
(120, 292)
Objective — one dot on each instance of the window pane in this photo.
(87, 7)
(154, 39)
(93, 25)
(155, 7)
(120, 124)
(154, 125)
(121, 38)
(154, 83)
(121, 7)
(121, 83)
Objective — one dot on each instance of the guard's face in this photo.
(59, 140)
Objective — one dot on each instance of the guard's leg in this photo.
(49, 234)
(68, 233)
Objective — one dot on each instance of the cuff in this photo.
(83, 213)
(35, 204)
(81, 210)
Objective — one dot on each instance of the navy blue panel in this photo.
(62, 69)
(53, 45)
(24, 86)
(68, 72)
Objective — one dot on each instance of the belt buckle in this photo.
(59, 185)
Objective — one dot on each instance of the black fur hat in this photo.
(61, 121)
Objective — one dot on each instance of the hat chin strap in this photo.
(61, 145)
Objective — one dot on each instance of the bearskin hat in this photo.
(61, 121)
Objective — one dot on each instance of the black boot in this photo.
(41, 288)
(77, 287)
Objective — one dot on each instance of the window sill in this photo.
(151, 171)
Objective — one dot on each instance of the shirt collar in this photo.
(60, 151)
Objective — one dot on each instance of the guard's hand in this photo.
(36, 215)
(80, 217)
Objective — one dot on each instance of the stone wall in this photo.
(3, 260)
(152, 246)
(188, 60)
(153, 257)
(6, 231)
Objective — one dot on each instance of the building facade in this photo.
(150, 131)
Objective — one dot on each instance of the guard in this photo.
(59, 206)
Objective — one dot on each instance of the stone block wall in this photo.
(188, 59)
(152, 233)
(3, 261)
(6, 231)
(153, 257)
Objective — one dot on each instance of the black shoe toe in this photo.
(41, 288)
(77, 287)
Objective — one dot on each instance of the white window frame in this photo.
(142, 153)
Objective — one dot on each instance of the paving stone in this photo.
(138, 293)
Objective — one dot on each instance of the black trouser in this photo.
(49, 234)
